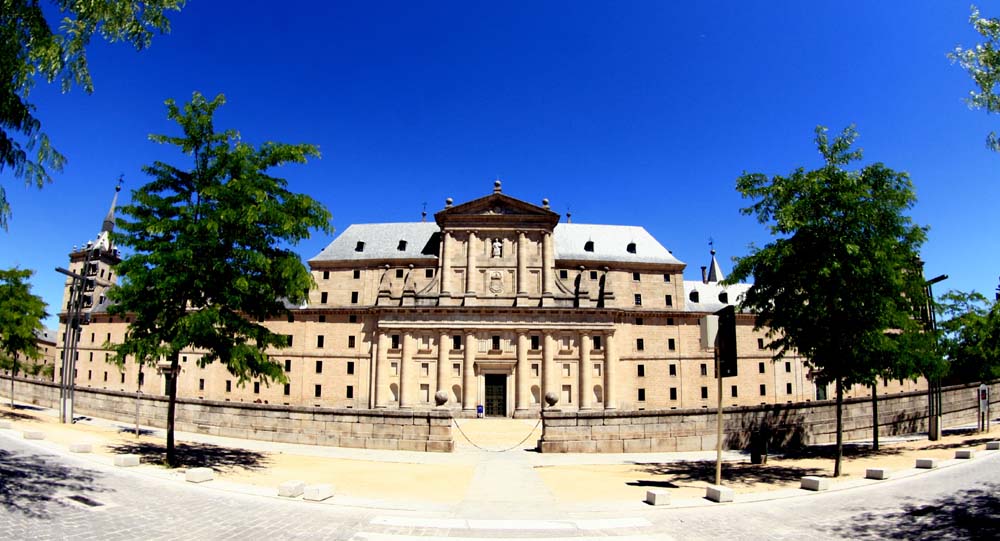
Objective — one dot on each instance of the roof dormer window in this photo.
(693, 296)
(724, 297)
(588, 246)
(630, 248)
(360, 247)
(402, 246)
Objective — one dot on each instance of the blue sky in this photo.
(638, 113)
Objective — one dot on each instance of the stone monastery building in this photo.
(496, 303)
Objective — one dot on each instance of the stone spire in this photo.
(714, 270)
(108, 226)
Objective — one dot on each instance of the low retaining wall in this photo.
(786, 425)
(357, 428)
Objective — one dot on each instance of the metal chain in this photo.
(515, 446)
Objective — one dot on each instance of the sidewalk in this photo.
(482, 478)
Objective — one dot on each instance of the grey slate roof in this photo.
(382, 242)
(610, 244)
(47, 335)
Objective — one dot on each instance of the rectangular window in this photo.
(763, 390)
(733, 391)
(394, 339)
(638, 299)
(425, 393)
(666, 277)
(821, 392)
(123, 377)
(357, 274)
(593, 275)
(89, 372)
(536, 342)
(788, 367)
(704, 393)
(323, 297)
(319, 341)
(788, 388)
(256, 387)
(597, 342)
(639, 345)
(354, 297)
(350, 368)
(456, 369)
(641, 370)
(290, 339)
(567, 394)
(350, 342)
(566, 370)
(229, 385)
(201, 384)
(597, 370)
(495, 343)
(105, 375)
(642, 395)
(671, 344)
(142, 379)
(288, 365)
(425, 369)
(534, 370)
(352, 318)
(760, 343)
(638, 321)
(319, 367)
(635, 276)
(673, 370)
(673, 393)
(394, 369)
(326, 275)
(456, 342)
(318, 391)
(288, 389)
(564, 274)
(704, 369)
(669, 300)
(428, 273)
(760, 368)
(91, 338)
(350, 391)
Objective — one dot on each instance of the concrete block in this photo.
(927, 463)
(719, 493)
(412, 445)
(126, 461)
(291, 489)
(81, 448)
(317, 493)
(658, 497)
(990, 445)
(877, 473)
(5, 425)
(965, 453)
(812, 482)
(33, 435)
(440, 446)
(199, 475)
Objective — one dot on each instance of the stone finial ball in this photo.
(551, 398)
(441, 398)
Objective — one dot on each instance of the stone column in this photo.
(548, 366)
(469, 373)
(586, 370)
(610, 372)
(523, 382)
(522, 263)
(470, 264)
(405, 400)
(381, 370)
(446, 245)
(548, 263)
(442, 371)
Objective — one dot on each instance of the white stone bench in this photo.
(658, 497)
(291, 489)
(199, 475)
(812, 482)
(719, 493)
(965, 453)
(81, 447)
(126, 461)
(317, 493)
(990, 445)
(33, 435)
(927, 463)
(877, 473)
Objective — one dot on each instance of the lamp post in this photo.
(933, 383)
(70, 336)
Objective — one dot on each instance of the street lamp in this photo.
(68, 380)
(933, 384)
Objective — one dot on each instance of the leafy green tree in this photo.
(983, 64)
(21, 314)
(971, 336)
(209, 261)
(31, 49)
(840, 283)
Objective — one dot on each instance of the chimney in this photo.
(704, 275)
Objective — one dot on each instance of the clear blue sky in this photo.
(623, 112)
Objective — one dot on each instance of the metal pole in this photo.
(718, 432)
(65, 383)
(138, 394)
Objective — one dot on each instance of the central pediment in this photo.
(496, 210)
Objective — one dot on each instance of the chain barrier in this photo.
(515, 446)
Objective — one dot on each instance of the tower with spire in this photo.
(95, 261)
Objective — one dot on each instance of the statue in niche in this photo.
(497, 248)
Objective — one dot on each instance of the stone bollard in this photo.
(927, 463)
(719, 493)
(33, 435)
(877, 473)
(80, 448)
(990, 445)
(657, 497)
(965, 453)
(291, 489)
(199, 475)
(126, 461)
(317, 493)
(811, 482)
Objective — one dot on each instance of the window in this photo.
(597, 370)
(704, 393)
(642, 395)
(351, 342)
(666, 277)
(357, 274)
(673, 393)
(123, 377)
(760, 343)
(534, 370)
(288, 389)
(401, 246)
(566, 370)
(788, 366)
(105, 375)
(456, 342)
(733, 391)
(428, 273)
(639, 345)
(763, 390)
(288, 365)
(326, 275)
(724, 297)
(638, 321)
(668, 300)
(360, 246)
(319, 391)
(788, 388)
(760, 368)
(821, 392)
(564, 274)
(322, 297)
(635, 276)
(91, 338)
(319, 341)
(291, 317)
(495, 343)
(201, 384)
(142, 379)
(638, 299)
(670, 321)
(593, 275)
(229, 384)
(671, 345)
(354, 297)
(588, 246)
(673, 370)
(350, 391)
(350, 368)
(395, 341)
(536, 342)
(256, 387)
(352, 318)
(641, 371)
(597, 342)
(693, 296)
(89, 372)
(399, 273)
(456, 369)
(322, 319)
(425, 369)
(319, 367)
(630, 248)
(704, 369)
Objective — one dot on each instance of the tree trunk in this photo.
(840, 427)
(171, 406)
(12, 388)
(875, 416)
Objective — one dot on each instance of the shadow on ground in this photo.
(971, 442)
(686, 472)
(851, 450)
(32, 486)
(969, 514)
(195, 455)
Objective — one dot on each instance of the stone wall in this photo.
(357, 428)
(786, 425)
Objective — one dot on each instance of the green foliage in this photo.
(971, 336)
(21, 314)
(31, 49)
(983, 64)
(207, 260)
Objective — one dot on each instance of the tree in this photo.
(21, 315)
(208, 264)
(983, 64)
(971, 336)
(30, 49)
(841, 282)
